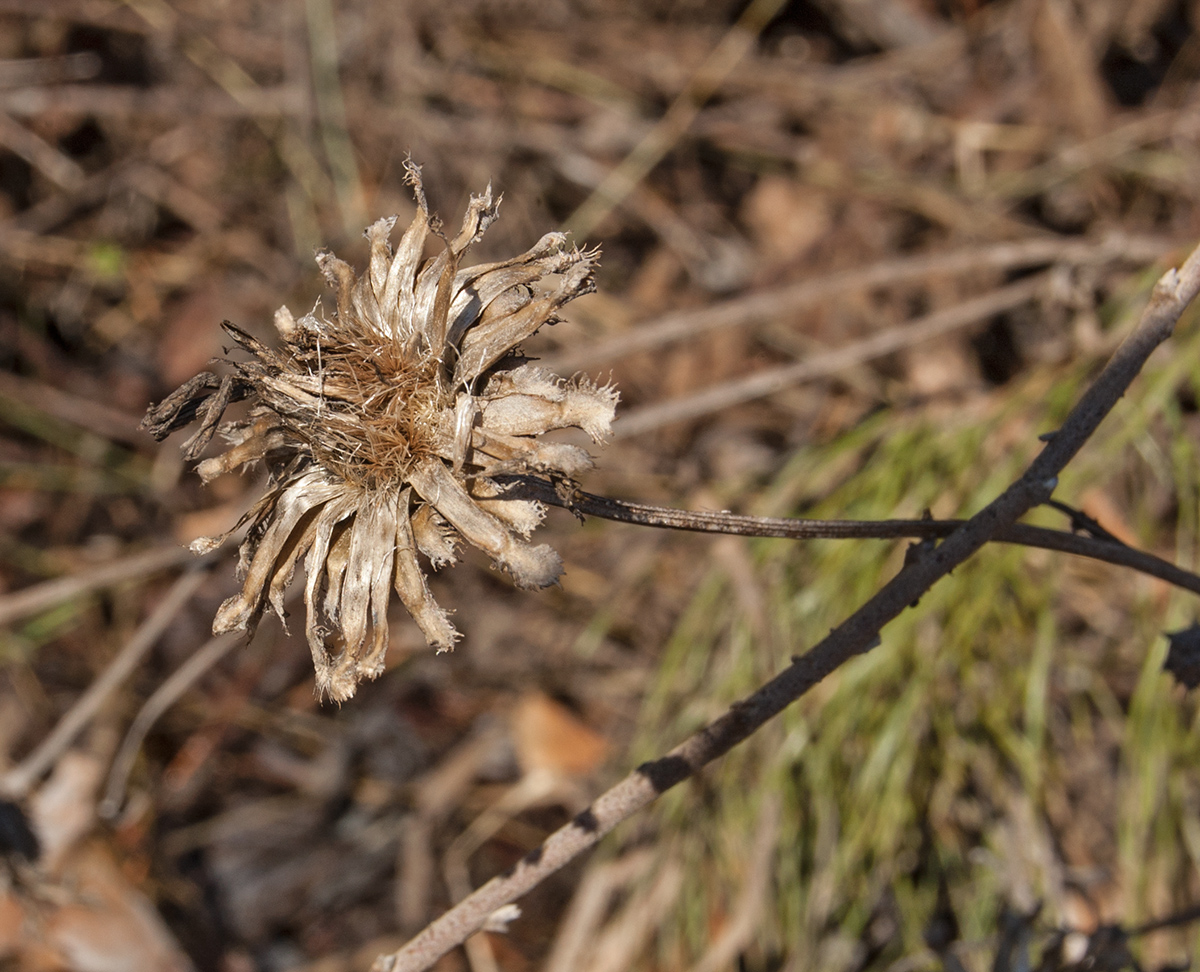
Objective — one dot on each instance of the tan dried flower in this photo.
(384, 429)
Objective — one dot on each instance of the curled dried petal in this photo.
(521, 515)
(434, 536)
(414, 592)
(529, 566)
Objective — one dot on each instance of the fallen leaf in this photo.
(548, 736)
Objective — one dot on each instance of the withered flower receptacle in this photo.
(383, 430)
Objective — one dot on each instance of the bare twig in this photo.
(677, 119)
(788, 300)
(858, 634)
(772, 380)
(167, 694)
(41, 597)
(18, 781)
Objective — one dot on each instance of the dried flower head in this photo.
(383, 430)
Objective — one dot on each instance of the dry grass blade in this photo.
(772, 380)
(41, 597)
(786, 301)
(18, 781)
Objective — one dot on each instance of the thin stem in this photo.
(1101, 545)
(20, 779)
(167, 694)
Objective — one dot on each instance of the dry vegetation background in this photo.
(971, 196)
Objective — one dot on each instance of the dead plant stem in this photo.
(856, 635)
(1097, 546)
(788, 300)
(21, 778)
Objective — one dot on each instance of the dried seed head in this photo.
(383, 428)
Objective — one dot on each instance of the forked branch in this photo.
(858, 634)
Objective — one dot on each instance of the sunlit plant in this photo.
(383, 426)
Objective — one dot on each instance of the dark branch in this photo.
(1099, 544)
(856, 635)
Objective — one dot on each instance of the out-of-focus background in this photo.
(858, 255)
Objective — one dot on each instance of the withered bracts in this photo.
(383, 428)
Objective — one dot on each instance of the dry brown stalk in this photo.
(788, 300)
(1095, 544)
(768, 381)
(17, 782)
(858, 634)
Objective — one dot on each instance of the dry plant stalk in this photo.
(858, 634)
(383, 428)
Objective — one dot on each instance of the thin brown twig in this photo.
(166, 695)
(1106, 549)
(771, 380)
(43, 596)
(855, 636)
(21, 778)
(788, 300)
